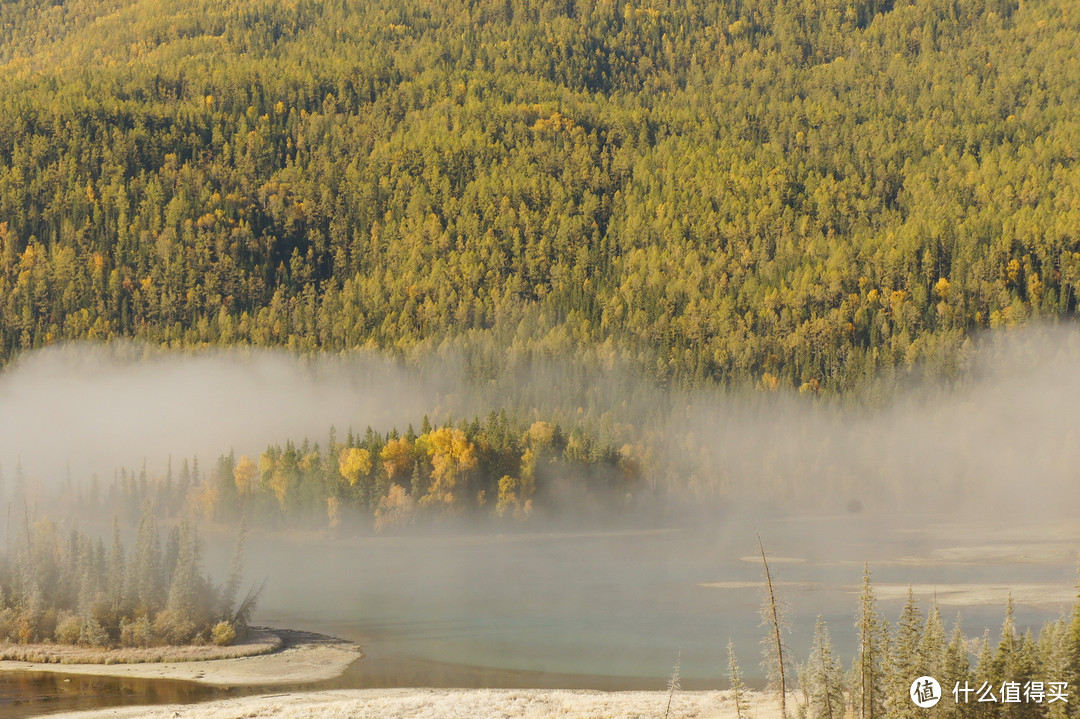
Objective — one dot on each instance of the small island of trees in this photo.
(74, 591)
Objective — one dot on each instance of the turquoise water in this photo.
(605, 609)
(613, 608)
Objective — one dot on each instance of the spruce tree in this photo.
(1026, 667)
(904, 664)
(1054, 661)
(738, 689)
(236, 568)
(932, 645)
(184, 588)
(824, 678)
(1071, 644)
(986, 673)
(868, 680)
(955, 672)
(116, 571)
(144, 570)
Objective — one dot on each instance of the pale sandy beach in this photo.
(453, 704)
(312, 657)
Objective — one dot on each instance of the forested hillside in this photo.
(769, 192)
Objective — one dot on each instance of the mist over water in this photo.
(615, 607)
(972, 484)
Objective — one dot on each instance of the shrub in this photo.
(8, 624)
(136, 633)
(174, 628)
(68, 629)
(223, 634)
(92, 634)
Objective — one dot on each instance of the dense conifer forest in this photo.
(769, 193)
(72, 590)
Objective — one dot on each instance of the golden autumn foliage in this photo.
(205, 499)
(539, 435)
(634, 459)
(396, 456)
(353, 463)
(244, 475)
(395, 509)
(451, 453)
(497, 468)
(333, 511)
(507, 498)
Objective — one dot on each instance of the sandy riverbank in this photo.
(303, 657)
(455, 703)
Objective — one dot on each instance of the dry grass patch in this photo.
(258, 642)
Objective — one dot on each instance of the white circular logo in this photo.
(925, 692)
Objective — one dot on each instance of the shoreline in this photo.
(437, 703)
(259, 641)
(301, 658)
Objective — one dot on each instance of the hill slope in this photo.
(769, 192)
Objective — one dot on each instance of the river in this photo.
(612, 608)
